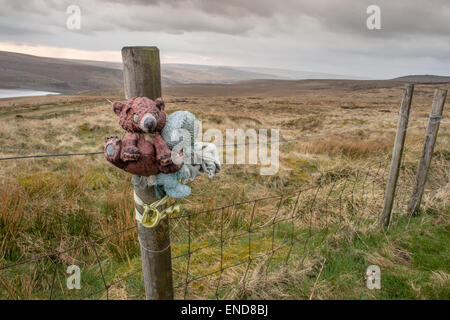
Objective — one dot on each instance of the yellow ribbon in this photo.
(152, 216)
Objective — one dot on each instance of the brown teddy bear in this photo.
(142, 150)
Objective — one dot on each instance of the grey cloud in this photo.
(319, 35)
(399, 17)
(237, 17)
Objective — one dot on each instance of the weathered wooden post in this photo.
(142, 78)
(427, 151)
(397, 155)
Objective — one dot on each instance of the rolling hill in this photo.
(69, 76)
(31, 72)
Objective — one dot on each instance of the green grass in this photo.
(409, 254)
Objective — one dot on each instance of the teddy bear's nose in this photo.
(149, 124)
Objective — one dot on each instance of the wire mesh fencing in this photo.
(219, 253)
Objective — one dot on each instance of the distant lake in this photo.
(12, 93)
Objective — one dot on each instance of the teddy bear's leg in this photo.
(130, 151)
(163, 156)
(113, 149)
(171, 186)
(179, 191)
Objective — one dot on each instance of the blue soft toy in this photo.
(171, 184)
(204, 157)
(184, 120)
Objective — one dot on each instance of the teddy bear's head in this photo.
(141, 114)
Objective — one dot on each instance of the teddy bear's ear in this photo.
(117, 107)
(160, 104)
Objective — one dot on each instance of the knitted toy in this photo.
(152, 141)
(142, 151)
(181, 130)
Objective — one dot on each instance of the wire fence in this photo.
(221, 252)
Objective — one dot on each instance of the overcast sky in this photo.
(328, 36)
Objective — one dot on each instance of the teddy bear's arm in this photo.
(113, 149)
(130, 151)
(163, 156)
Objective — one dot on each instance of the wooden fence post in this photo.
(427, 151)
(396, 155)
(142, 77)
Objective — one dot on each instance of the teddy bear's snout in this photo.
(148, 123)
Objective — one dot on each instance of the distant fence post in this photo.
(427, 151)
(397, 155)
(142, 77)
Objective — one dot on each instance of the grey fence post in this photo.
(142, 78)
(397, 152)
(427, 151)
